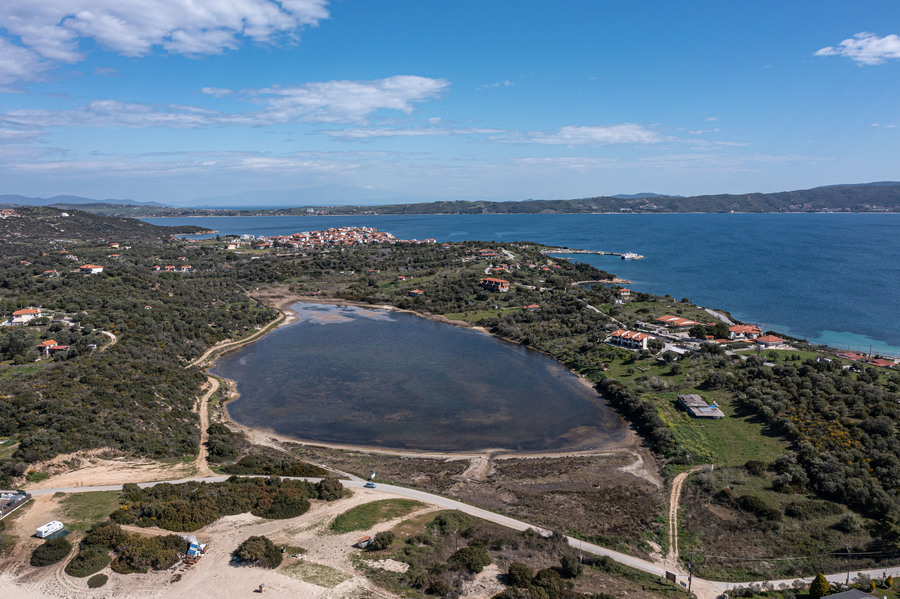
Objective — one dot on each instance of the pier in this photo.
(622, 255)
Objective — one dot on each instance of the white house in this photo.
(25, 316)
(630, 339)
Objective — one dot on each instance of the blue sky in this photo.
(308, 101)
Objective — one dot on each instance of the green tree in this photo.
(259, 551)
(50, 552)
(472, 559)
(819, 587)
(571, 566)
(382, 541)
(519, 575)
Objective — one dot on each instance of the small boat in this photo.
(631, 256)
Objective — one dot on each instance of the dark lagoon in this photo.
(378, 378)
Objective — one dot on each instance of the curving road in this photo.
(703, 589)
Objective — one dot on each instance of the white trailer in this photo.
(48, 529)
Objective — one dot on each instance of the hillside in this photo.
(881, 196)
(51, 223)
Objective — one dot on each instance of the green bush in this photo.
(329, 489)
(50, 552)
(258, 551)
(142, 554)
(519, 575)
(263, 464)
(472, 559)
(104, 534)
(758, 507)
(571, 567)
(95, 582)
(382, 541)
(192, 505)
(88, 560)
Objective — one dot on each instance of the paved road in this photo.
(704, 589)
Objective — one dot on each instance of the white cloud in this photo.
(52, 30)
(865, 48)
(323, 102)
(218, 92)
(17, 63)
(627, 133)
(505, 83)
(360, 134)
(348, 101)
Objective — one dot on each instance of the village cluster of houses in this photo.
(335, 237)
(742, 333)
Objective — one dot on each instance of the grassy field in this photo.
(7, 446)
(728, 441)
(83, 510)
(368, 515)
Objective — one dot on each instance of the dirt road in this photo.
(201, 463)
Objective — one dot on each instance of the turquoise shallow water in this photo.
(828, 278)
(386, 379)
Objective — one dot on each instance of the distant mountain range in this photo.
(17, 200)
(881, 196)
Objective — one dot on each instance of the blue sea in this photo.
(832, 279)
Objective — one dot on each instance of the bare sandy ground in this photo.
(89, 468)
(213, 575)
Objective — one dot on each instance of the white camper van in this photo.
(48, 529)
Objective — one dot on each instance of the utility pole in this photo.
(848, 563)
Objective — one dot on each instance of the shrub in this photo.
(849, 523)
(329, 489)
(518, 575)
(819, 587)
(258, 551)
(263, 464)
(382, 541)
(758, 506)
(142, 554)
(88, 560)
(50, 552)
(105, 534)
(550, 581)
(755, 467)
(472, 559)
(571, 567)
(95, 582)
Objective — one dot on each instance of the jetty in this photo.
(623, 255)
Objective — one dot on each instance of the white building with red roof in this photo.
(630, 339)
(744, 331)
(25, 315)
(491, 284)
(769, 341)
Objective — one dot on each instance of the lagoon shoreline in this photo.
(281, 299)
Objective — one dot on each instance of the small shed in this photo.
(364, 542)
(698, 408)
